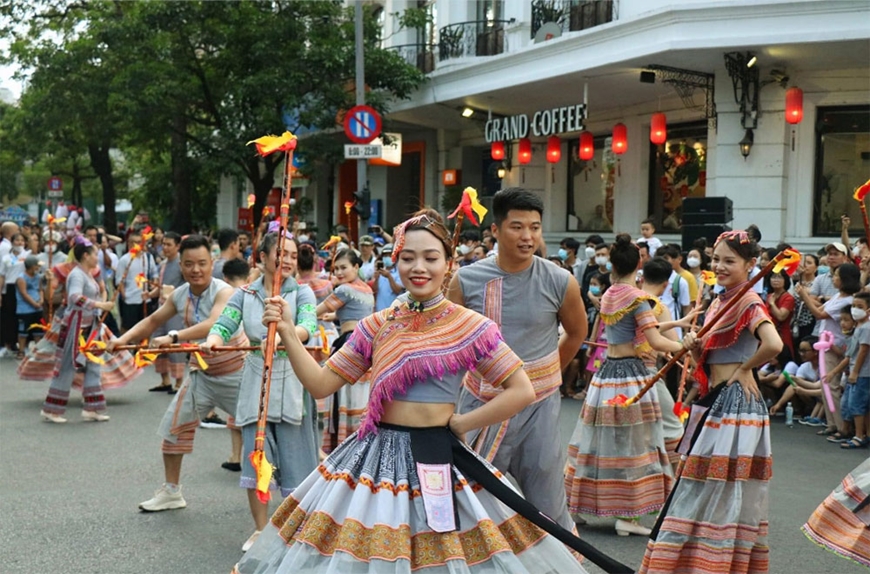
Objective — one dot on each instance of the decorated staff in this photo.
(859, 195)
(707, 278)
(267, 145)
(468, 207)
(51, 221)
(787, 259)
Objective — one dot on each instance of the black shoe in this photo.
(172, 392)
(160, 389)
(233, 466)
(213, 422)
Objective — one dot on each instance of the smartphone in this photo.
(379, 265)
(373, 229)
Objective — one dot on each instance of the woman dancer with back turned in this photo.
(392, 498)
(715, 520)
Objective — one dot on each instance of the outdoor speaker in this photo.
(707, 210)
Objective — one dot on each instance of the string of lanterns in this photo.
(658, 134)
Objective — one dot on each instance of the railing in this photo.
(480, 38)
(422, 56)
(571, 15)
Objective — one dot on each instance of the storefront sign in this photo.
(543, 123)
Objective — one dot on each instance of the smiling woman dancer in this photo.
(715, 520)
(351, 301)
(392, 498)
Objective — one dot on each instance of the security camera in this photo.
(779, 76)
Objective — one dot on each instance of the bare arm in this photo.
(144, 328)
(769, 348)
(572, 315)
(859, 362)
(454, 291)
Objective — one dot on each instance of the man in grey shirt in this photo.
(171, 364)
(228, 241)
(528, 297)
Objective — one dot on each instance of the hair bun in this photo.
(623, 240)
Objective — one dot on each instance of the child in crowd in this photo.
(771, 377)
(598, 285)
(856, 389)
(804, 384)
(648, 229)
(835, 378)
(28, 306)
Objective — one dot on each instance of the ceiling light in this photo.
(467, 112)
(751, 62)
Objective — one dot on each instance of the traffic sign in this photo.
(362, 124)
(357, 151)
(55, 183)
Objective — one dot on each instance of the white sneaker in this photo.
(52, 418)
(250, 541)
(3, 352)
(94, 416)
(163, 500)
(626, 527)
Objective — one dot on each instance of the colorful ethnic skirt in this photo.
(715, 520)
(617, 462)
(364, 510)
(345, 408)
(842, 522)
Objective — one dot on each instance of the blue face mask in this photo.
(609, 266)
(563, 254)
(388, 261)
(595, 290)
(822, 269)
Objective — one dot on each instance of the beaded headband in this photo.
(736, 235)
(275, 227)
(421, 221)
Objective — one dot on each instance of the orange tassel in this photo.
(264, 474)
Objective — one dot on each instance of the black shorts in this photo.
(25, 320)
(131, 314)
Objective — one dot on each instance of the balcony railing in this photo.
(422, 56)
(481, 38)
(571, 15)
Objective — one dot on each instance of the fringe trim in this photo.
(414, 369)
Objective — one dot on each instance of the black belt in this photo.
(439, 446)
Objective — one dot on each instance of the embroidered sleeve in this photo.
(75, 293)
(355, 358)
(758, 314)
(306, 316)
(230, 318)
(496, 361)
(644, 317)
(336, 299)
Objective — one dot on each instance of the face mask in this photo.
(303, 238)
(601, 260)
(464, 249)
(856, 251)
(595, 290)
(16, 249)
(388, 260)
(822, 269)
(563, 254)
(859, 314)
(590, 252)
(609, 266)
(693, 262)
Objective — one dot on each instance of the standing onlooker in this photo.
(387, 284)
(647, 230)
(228, 243)
(856, 395)
(11, 267)
(29, 304)
(568, 255)
(803, 321)
(823, 289)
(678, 296)
(129, 281)
(368, 256)
(7, 231)
(781, 305)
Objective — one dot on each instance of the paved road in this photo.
(69, 494)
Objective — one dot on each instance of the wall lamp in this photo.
(746, 143)
(467, 112)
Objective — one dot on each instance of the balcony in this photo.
(421, 56)
(571, 15)
(465, 39)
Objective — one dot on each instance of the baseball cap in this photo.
(366, 240)
(388, 248)
(838, 246)
(31, 261)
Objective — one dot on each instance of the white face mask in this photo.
(16, 249)
(859, 314)
(590, 252)
(464, 249)
(601, 260)
(693, 262)
(303, 238)
(856, 251)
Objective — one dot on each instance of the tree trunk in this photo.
(181, 219)
(101, 163)
(261, 173)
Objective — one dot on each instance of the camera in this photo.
(374, 229)
(379, 265)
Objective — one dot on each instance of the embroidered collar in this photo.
(729, 293)
(419, 307)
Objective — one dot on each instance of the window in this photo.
(677, 170)
(590, 188)
(842, 164)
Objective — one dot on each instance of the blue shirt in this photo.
(385, 296)
(22, 307)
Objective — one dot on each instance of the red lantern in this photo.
(619, 141)
(587, 146)
(658, 129)
(554, 149)
(794, 105)
(496, 150)
(524, 154)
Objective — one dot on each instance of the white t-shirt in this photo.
(807, 372)
(653, 243)
(668, 301)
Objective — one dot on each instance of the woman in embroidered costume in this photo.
(84, 305)
(842, 522)
(291, 432)
(392, 498)
(617, 461)
(716, 518)
(351, 301)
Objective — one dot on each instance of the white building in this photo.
(513, 58)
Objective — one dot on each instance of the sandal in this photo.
(856, 442)
(826, 431)
(837, 437)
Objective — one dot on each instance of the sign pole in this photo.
(361, 165)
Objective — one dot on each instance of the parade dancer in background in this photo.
(715, 520)
(351, 300)
(394, 497)
(197, 303)
(527, 297)
(291, 444)
(617, 459)
(84, 305)
(169, 365)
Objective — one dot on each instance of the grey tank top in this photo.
(743, 348)
(624, 330)
(358, 303)
(193, 309)
(434, 390)
(524, 305)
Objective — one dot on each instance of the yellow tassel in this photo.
(264, 474)
(202, 364)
